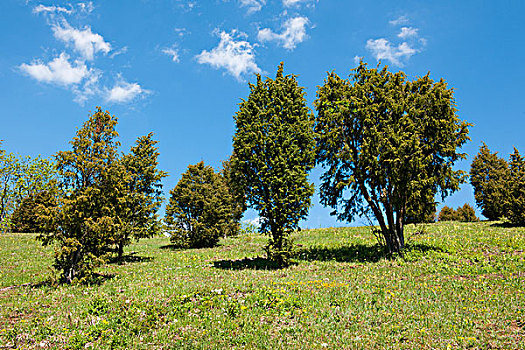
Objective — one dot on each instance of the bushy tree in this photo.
(273, 153)
(237, 194)
(489, 177)
(137, 211)
(25, 218)
(387, 144)
(464, 214)
(20, 178)
(85, 222)
(447, 214)
(515, 201)
(200, 208)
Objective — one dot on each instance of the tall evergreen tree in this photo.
(83, 224)
(387, 145)
(236, 193)
(137, 211)
(273, 152)
(515, 201)
(489, 177)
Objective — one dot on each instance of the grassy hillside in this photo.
(458, 286)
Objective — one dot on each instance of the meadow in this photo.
(458, 286)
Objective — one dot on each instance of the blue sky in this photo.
(179, 68)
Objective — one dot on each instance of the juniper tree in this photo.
(386, 144)
(83, 225)
(236, 193)
(273, 153)
(489, 177)
(200, 208)
(142, 193)
(515, 201)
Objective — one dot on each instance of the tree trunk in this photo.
(120, 252)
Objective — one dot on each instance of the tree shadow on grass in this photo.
(247, 264)
(358, 252)
(129, 258)
(505, 224)
(172, 247)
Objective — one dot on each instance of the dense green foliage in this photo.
(20, 178)
(84, 224)
(447, 214)
(25, 217)
(489, 175)
(201, 209)
(388, 146)
(464, 214)
(237, 194)
(273, 153)
(460, 286)
(515, 201)
(137, 211)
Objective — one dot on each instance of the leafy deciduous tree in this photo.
(21, 177)
(386, 143)
(273, 153)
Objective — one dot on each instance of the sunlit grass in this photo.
(457, 286)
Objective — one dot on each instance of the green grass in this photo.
(458, 286)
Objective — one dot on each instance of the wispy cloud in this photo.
(181, 31)
(397, 53)
(252, 6)
(173, 52)
(86, 7)
(84, 40)
(51, 9)
(123, 92)
(235, 55)
(290, 3)
(293, 33)
(407, 32)
(382, 49)
(399, 21)
(58, 71)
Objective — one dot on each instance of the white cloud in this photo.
(236, 56)
(294, 32)
(84, 41)
(357, 59)
(252, 5)
(174, 53)
(407, 32)
(58, 71)
(124, 92)
(290, 3)
(181, 31)
(383, 49)
(86, 7)
(50, 9)
(399, 21)
(89, 88)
